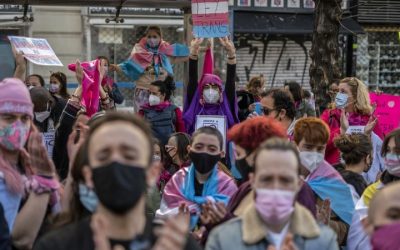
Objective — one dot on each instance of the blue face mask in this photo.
(88, 198)
(341, 100)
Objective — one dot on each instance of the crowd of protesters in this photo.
(76, 173)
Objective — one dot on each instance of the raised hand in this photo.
(252, 115)
(79, 72)
(370, 125)
(324, 212)
(36, 157)
(173, 234)
(228, 45)
(76, 139)
(20, 59)
(20, 62)
(102, 69)
(213, 213)
(195, 46)
(114, 67)
(344, 122)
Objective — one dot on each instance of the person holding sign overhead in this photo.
(208, 96)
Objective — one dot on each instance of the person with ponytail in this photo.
(28, 183)
(357, 238)
(208, 96)
(164, 117)
(356, 151)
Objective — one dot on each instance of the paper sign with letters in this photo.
(36, 50)
(48, 142)
(210, 18)
(355, 130)
(387, 110)
(215, 121)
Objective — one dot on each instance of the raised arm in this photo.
(230, 88)
(20, 69)
(193, 74)
(30, 218)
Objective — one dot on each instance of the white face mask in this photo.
(153, 42)
(41, 116)
(211, 96)
(341, 100)
(311, 160)
(54, 88)
(154, 100)
(392, 164)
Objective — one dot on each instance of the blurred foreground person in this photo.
(384, 219)
(273, 219)
(28, 186)
(119, 170)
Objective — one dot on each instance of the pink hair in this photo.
(12, 177)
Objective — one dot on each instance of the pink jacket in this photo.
(332, 118)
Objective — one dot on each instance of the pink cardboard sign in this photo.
(387, 110)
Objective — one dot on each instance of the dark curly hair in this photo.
(282, 100)
(295, 90)
(166, 87)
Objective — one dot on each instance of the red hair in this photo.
(312, 129)
(250, 133)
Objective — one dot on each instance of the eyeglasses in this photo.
(266, 111)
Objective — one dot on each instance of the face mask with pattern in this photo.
(14, 136)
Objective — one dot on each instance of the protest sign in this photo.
(210, 18)
(48, 142)
(355, 130)
(387, 110)
(36, 50)
(215, 121)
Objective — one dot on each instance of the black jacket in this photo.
(79, 236)
(60, 156)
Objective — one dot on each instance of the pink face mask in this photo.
(274, 205)
(14, 136)
(386, 237)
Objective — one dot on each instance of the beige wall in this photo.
(63, 29)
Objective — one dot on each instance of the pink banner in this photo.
(387, 110)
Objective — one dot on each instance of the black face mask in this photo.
(204, 162)
(119, 187)
(244, 168)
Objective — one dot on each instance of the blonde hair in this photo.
(362, 103)
(254, 83)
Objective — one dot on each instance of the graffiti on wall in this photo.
(279, 59)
